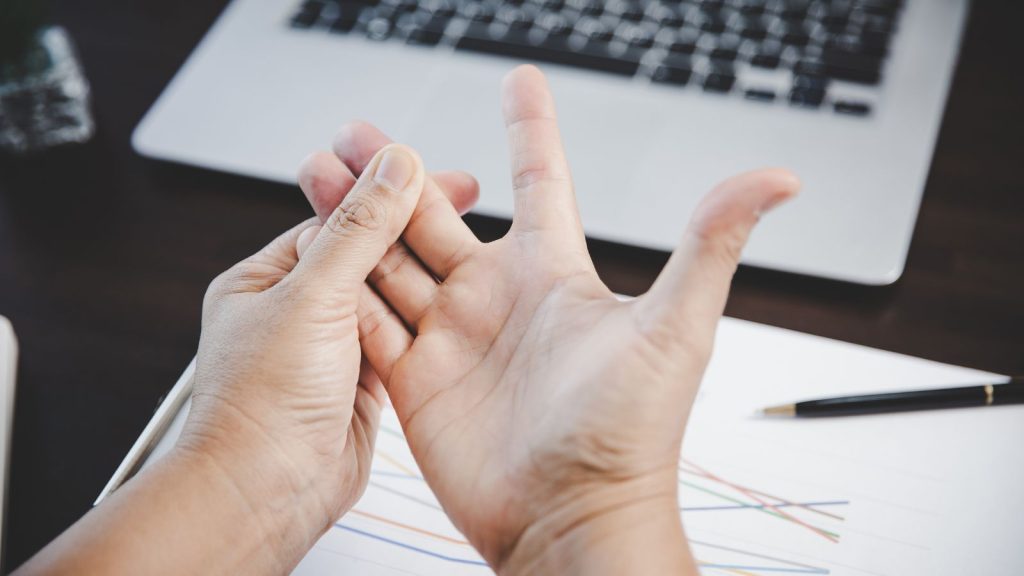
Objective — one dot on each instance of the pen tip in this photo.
(783, 410)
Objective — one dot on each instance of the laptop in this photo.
(658, 100)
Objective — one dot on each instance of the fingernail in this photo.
(395, 169)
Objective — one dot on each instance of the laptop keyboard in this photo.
(806, 52)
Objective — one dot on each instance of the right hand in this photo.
(547, 415)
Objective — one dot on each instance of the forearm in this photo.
(186, 516)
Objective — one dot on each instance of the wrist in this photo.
(277, 490)
(634, 527)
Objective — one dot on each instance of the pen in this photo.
(1011, 392)
(151, 434)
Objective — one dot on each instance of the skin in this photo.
(546, 414)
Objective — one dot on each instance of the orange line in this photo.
(765, 503)
(394, 462)
(410, 528)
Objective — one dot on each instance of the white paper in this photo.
(937, 493)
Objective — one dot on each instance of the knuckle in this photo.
(367, 215)
(720, 244)
(396, 258)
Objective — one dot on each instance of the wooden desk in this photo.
(104, 256)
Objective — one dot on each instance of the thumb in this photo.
(371, 218)
(690, 293)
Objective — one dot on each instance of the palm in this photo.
(514, 381)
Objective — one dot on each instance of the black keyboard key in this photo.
(810, 82)
(720, 78)
(810, 67)
(440, 8)
(624, 9)
(852, 66)
(711, 23)
(852, 108)
(750, 28)
(636, 35)
(423, 28)
(516, 44)
(678, 41)
(308, 15)
(514, 17)
(750, 7)
(806, 97)
(726, 48)
(790, 34)
(378, 28)
(765, 59)
(554, 24)
(760, 94)
(594, 30)
(792, 10)
(673, 69)
(477, 12)
(664, 15)
(586, 7)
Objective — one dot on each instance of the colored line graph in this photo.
(771, 508)
(417, 549)
(743, 562)
(395, 524)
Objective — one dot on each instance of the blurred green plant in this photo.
(20, 22)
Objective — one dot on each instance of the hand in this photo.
(546, 414)
(276, 402)
(279, 439)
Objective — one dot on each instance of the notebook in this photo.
(8, 369)
(912, 493)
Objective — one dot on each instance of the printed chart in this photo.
(399, 528)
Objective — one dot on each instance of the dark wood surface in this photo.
(105, 256)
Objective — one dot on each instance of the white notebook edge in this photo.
(166, 411)
(8, 373)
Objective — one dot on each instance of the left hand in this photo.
(276, 399)
(279, 438)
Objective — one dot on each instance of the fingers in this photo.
(408, 288)
(544, 198)
(690, 293)
(436, 233)
(382, 332)
(368, 221)
(382, 335)
(325, 180)
(461, 188)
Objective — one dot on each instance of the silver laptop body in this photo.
(260, 93)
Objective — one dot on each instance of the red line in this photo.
(781, 500)
(411, 528)
(764, 503)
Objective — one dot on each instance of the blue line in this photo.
(765, 568)
(758, 506)
(411, 547)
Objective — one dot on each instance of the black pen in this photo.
(1011, 392)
